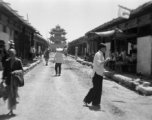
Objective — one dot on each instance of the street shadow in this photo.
(70, 68)
(51, 61)
(105, 78)
(67, 68)
(45, 65)
(94, 108)
(55, 76)
(6, 116)
(118, 101)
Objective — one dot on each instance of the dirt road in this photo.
(47, 97)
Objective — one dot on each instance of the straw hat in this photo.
(11, 42)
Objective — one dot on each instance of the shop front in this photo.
(121, 48)
(123, 55)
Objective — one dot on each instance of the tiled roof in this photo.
(134, 13)
(78, 40)
(40, 38)
(5, 7)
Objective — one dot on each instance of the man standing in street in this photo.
(32, 52)
(47, 56)
(58, 59)
(94, 95)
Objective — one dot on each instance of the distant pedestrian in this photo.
(65, 52)
(58, 60)
(12, 65)
(31, 53)
(94, 95)
(11, 44)
(47, 56)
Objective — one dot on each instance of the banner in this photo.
(124, 12)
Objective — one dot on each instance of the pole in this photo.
(115, 41)
(27, 18)
(124, 7)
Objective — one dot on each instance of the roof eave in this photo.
(16, 15)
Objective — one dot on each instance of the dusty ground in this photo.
(46, 97)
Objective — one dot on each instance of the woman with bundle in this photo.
(12, 66)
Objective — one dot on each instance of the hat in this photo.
(11, 42)
(13, 51)
(59, 49)
(101, 45)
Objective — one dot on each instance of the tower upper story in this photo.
(57, 34)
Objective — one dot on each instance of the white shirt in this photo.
(98, 67)
(123, 54)
(32, 50)
(58, 57)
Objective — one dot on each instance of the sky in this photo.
(76, 16)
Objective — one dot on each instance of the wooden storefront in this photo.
(137, 31)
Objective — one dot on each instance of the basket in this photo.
(3, 91)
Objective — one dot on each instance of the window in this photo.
(10, 32)
(133, 30)
(4, 29)
(144, 31)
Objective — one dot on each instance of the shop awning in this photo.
(105, 34)
(119, 34)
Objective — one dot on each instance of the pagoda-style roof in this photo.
(53, 39)
(58, 30)
(57, 35)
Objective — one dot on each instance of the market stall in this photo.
(123, 51)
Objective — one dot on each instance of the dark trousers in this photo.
(58, 65)
(94, 95)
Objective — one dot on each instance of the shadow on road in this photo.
(6, 117)
(94, 108)
(118, 101)
(55, 76)
(70, 68)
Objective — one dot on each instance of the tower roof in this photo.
(58, 30)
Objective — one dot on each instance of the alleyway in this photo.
(47, 97)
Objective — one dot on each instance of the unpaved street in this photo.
(47, 97)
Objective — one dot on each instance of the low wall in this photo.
(144, 53)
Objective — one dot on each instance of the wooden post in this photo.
(32, 39)
(23, 43)
(76, 52)
(115, 41)
(151, 46)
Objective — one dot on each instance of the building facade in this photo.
(14, 27)
(81, 45)
(40, 44)
(139, 25)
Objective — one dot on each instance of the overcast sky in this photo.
(76, 16)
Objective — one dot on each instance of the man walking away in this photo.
(94, 95)
(58, 60)
(46, 56)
